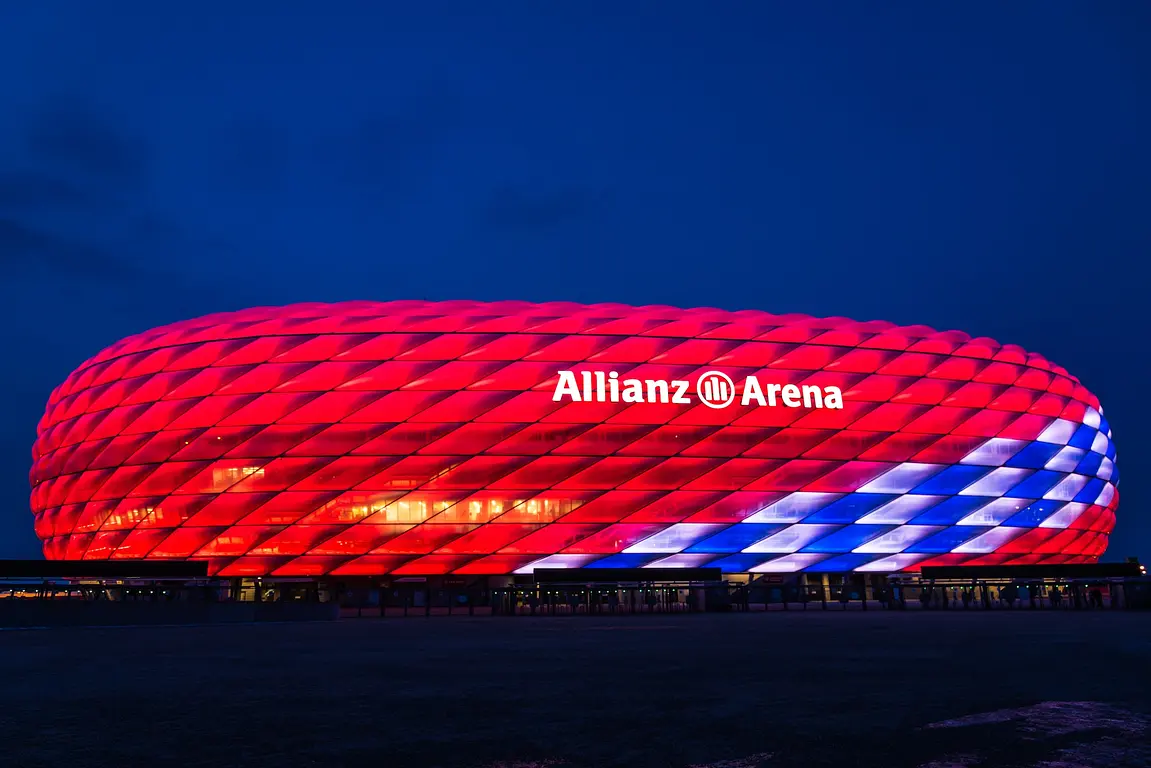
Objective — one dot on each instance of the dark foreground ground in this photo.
(731, 691)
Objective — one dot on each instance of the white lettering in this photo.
(566, 386)
(632, 391)
(656, 388)
(714, 391)
(751, 390)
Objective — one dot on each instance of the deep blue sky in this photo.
(983, 167)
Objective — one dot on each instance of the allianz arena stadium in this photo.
(471, 438)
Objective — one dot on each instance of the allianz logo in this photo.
(714, 389)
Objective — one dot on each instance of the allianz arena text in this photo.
(461, 437)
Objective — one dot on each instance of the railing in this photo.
(1118, 594)
(618, 600)
(760, 595)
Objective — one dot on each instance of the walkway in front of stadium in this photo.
(735, 690)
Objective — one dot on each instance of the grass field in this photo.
(742, 690)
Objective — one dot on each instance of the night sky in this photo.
(978, 167)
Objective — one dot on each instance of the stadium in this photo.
(463, 438)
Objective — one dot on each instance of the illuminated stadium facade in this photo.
(469, 438)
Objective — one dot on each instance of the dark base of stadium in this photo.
(73, 593)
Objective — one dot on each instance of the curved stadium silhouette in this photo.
(415, 437)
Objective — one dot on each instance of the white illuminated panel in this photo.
(897, 540)
(675, 538)
(1058, 432)
(1065, 515)
(995, 512)
(1100, 443)
(989, 542)
(1106, 469)
(900, 510)
(995, 452)
(902, 479)
(996, 482)
(793, 508)
(891, 564)
(789, 563)
(1105, 495)
(1066, 460)
(791, 539)
(1067, 488)
(1091, 418)
(692, 560)
(558, 561)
